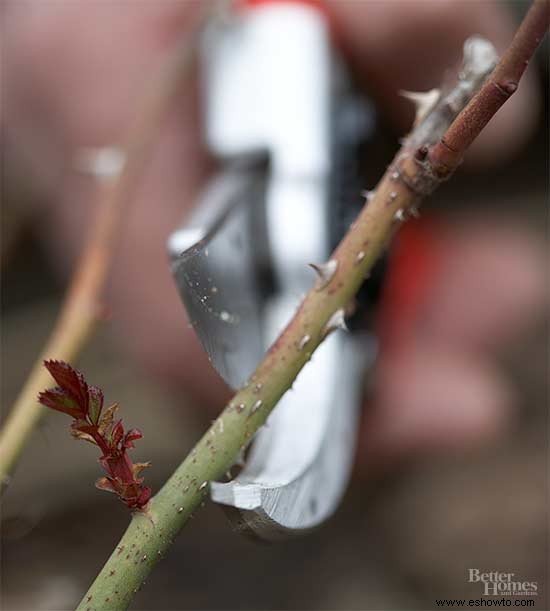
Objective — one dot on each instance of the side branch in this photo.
(82, 304)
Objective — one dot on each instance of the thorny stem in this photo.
(151, 532)
(82, 305)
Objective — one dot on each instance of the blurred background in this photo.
(414, 520)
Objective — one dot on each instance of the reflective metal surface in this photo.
(213, 265)
(299, 465)
(241, 263)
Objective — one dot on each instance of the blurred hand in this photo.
(73, 73)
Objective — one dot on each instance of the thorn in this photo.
(302, 343)
(257, 406)
(368, 195)
(360, 257)
(336, 321)
(414, 212)
(424, 101)
(400, 216)
(325, 271)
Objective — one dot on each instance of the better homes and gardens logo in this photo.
(496, 583)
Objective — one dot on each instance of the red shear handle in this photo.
(318, 4)
(413, 268)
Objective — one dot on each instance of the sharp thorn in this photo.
(424, 101)
(368, 195)
(325, 271)
(400, 216)
(336, 321)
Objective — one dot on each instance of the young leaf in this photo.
(131, 436)
(70, 380)
(95, 403)
(138, 468)
(58, 399)
(116, 434)
(104, 483)
(84, 404)
(106, 420)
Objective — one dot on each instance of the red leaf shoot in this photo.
(84, 403)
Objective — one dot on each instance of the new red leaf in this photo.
(58, 399)
(131, 436)
(91, 423)
(70, 380)
(116, 435)
(95, 395)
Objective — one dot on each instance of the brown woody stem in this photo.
(447, 154)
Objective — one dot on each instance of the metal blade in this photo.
(299, 465)
(213, 266)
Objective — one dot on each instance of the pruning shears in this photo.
(282, 117)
